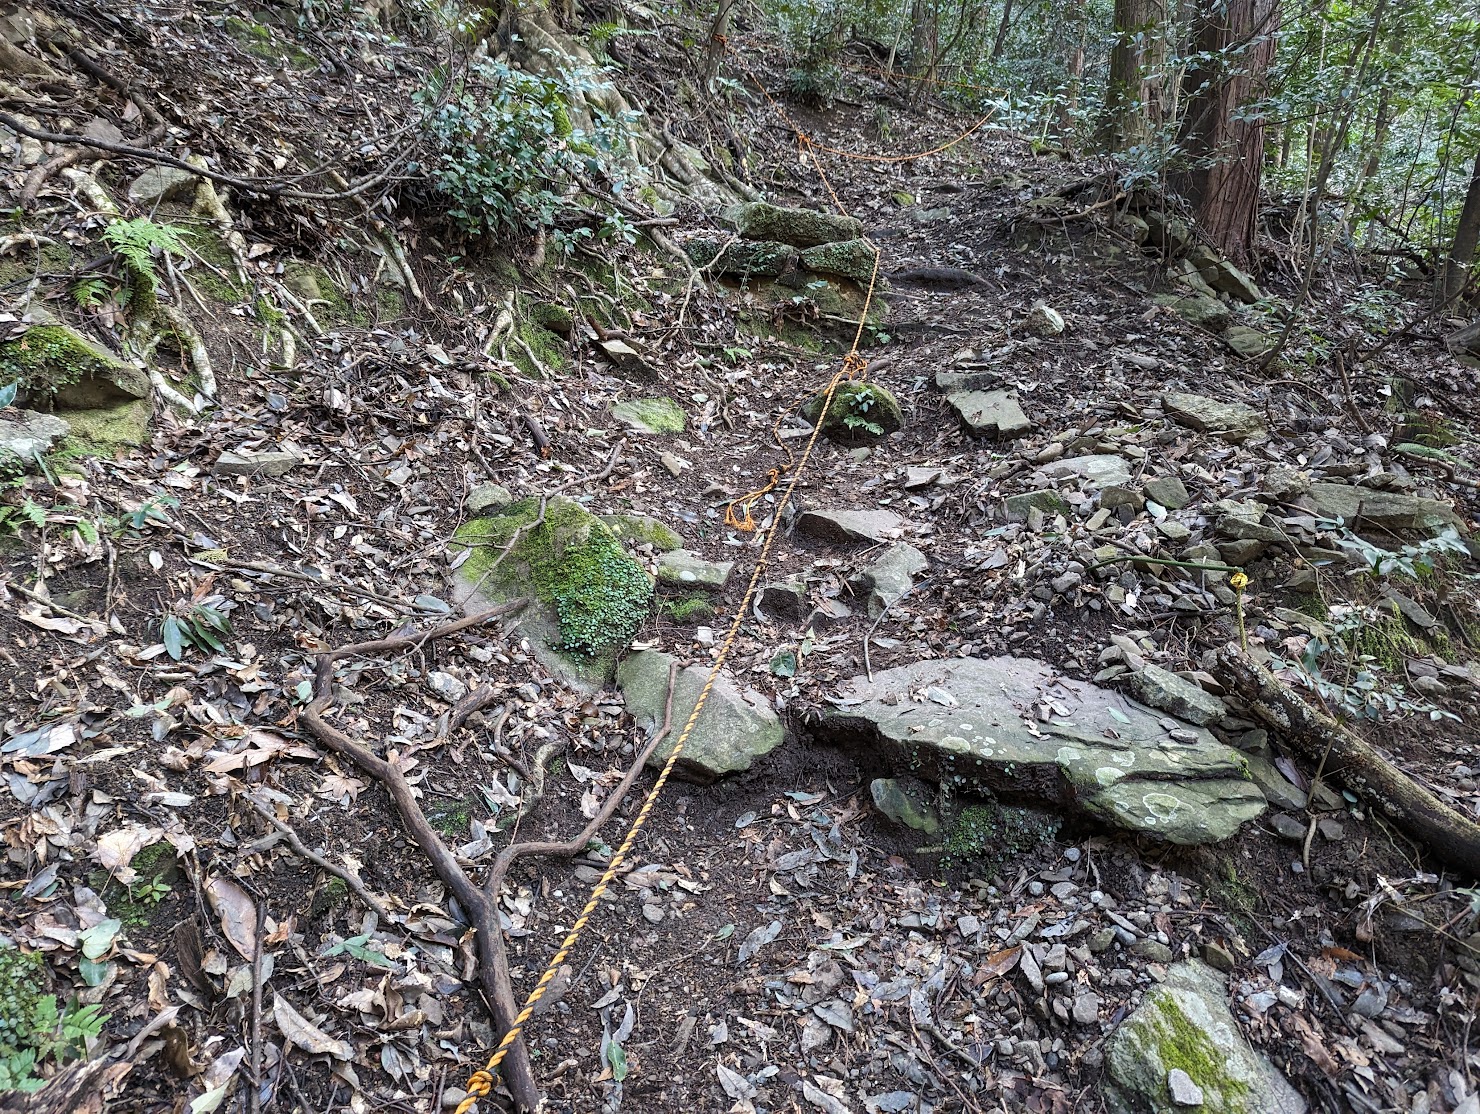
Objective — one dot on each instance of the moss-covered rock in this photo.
(651, 415)
(803, 228)
(859, 413)
(640, 529)
(592, 596)
(849, 259)
(743, 258)
(56, 364)
(104, 431)
(1185, 1025)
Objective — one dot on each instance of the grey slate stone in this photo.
(990, 412)
(1231, 420)
(849, 525)
(1386, 509)
(733, 730)
(968, 720)
(1169, 491)
(890, 577)
(1098, 470)
(28, 438)
(265, 463)
(907, 802)
(1163, 689)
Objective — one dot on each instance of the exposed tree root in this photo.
(479, 903)
(1452, 838)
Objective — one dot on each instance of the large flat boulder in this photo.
(841, 525)
(732, 731)
(57, 364)
(1017, 729)
(995, 413)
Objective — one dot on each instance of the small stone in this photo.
(849, 259)
(1087, 1009)
(1287, 826)
(678, 568)
(484, 496)
(1216, 956)
(1169, 491)
(1049, 453)
(1199, 309)
(1101, 941)
(1115, 497)
(1066, 583)
(449, 688)
(1046, 501)
(266, 463)
(968, 926)
(653, 913)
(906, 801)
(1183, 1090)
(1153, 950)
(674, 466)
(1248, 342)
(452, 1098)
(1098, 470)
(890, 577)
(1173, 531)
(1331, 829)
(1045, 321)
(784, 600)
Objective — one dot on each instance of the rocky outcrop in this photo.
(1015, 728)
(732, 731)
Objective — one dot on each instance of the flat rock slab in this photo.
(890, 577)
(679, 568)
(1183, 1039)
(803, 228)
(733, 729)
(850, 526)
(30, 437)
(1388, 510)
(1097, 470)
(266, 463)
(1232, 421)
(650, 415)
(990, 412)
(1026, 732)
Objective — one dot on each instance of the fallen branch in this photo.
(482, 913)
(295, 841)
(1451, 837)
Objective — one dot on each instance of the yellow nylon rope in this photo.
(480, 1084)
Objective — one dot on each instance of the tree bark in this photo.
(923, 41)
(1233, 45)
(1133, 89)
(1466, 239)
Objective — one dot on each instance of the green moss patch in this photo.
(104, 431)
(575, 564)
(651, 415)
(258, 40)
(690, 609)
(548, 349)
(54, 362)
(989, 834)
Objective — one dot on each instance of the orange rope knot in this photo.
(745, 520)
(854, 366)
(480, 1085)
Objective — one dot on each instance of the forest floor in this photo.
(777, 944)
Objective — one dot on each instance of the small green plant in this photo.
(505, 148)
(136, 242)
(200, 622)
(151, 511)
(990, 834)
(1417, 561)
(32, 1027)
(90, 292)
(150, 891)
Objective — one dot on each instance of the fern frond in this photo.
(134, 241)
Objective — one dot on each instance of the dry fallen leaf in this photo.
(116, 849)
(238, 914)
(307, 1036)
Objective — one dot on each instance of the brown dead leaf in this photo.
(300, 1031)
(238, 914)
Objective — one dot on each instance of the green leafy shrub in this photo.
(503, 145)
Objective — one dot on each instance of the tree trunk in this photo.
(718, 30)
(1233, 44)
(1133, 90)
(1000, 42)
(924, 38)
(1466, 238)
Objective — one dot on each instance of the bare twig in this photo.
(295, 841)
